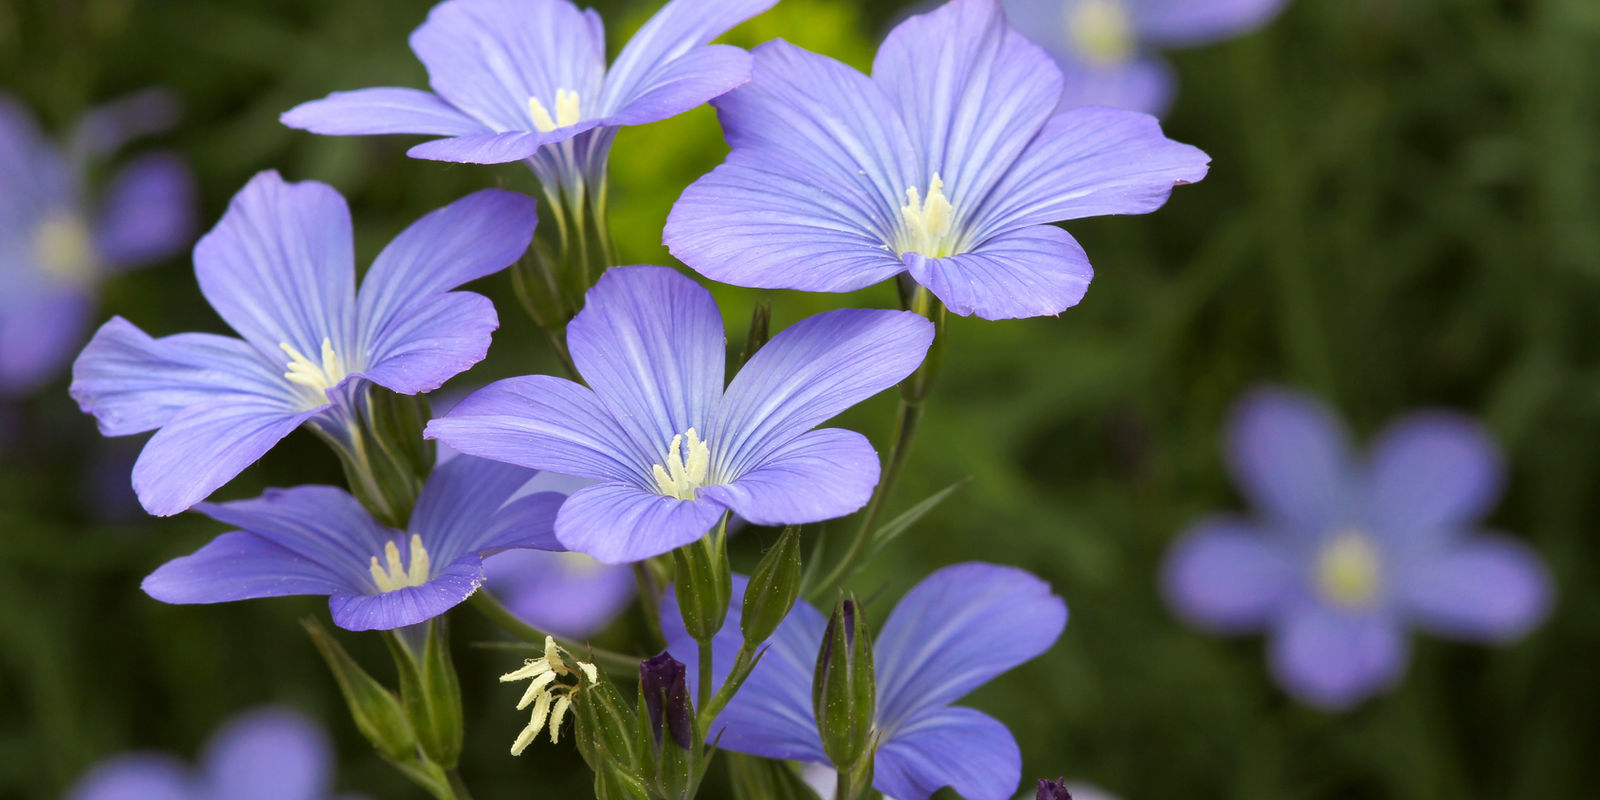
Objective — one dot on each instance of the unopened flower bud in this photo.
(1053, 790)
(843, 696)
(703, 583)
(662, 680)
(772, 589)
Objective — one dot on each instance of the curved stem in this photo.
(458, 786)
(501, 616)
(906, 419)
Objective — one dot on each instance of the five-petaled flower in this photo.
(56, 246)
(318, 540)
(947, 163)
(1103, 46)
(511, 77)
(280, 270)
(1348, 552)
(956, 630)
(672, 448)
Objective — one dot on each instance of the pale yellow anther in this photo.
(536, 689)
(308, 373)
(1349, 569)
(928, 222)
(551, 696)
(684, 472)
(566, 112)
(1101, 31)
(392, 574)
(64, 249)
(560, 712)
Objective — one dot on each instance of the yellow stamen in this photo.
(308, 373)
(928, 222)
(683, 472)
(1101, 31)
(393, 575)
(1349, 569)
(557, 679)
(65, 249)
(566, 112)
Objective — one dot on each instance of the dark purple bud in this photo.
(662, 680)
(1053, 790)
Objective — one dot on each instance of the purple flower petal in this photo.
(138, 776)
(459, 509)
(1431, 473)
(495, 148)
(279, 266)
(110, 125)
(568, 594)
(1089, 162)
(409, 605)
(667, 50)
(417, 351)
(39, 330)
(1185, 23)
(687, 82)
(207, 445)
(995, 617)
(1489, 589)
(241, 566)
(1290, 455)
(1227, 575)
(148, 213)
(822, 474)
(1333, 659)
(1032, 272)
(546, 423)
(381, 110)
(268, 755)
(809, 373)
(319, 524)
(649, 340)
(973, 93)
(619, 523)
(967, 750)
(1144, 84)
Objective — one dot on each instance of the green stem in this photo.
(703, 701)
(490, 607)
(906, 421)
(458, 786)
(742, 665)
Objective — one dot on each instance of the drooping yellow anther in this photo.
(64, 248)
(1349, 569)
(928, 222)
(306, 372)
(1101, 31)
(566, 111)
(684, 472)
(557, 679)
(393, 575)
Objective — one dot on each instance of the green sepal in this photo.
(607, 731)
(703, 582)
(760, 332)
(430, 692)
(375, 710)
(774, 586)
(843, 689)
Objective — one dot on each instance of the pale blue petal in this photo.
(432, 342)
(456, 510)
(687, 82)
(1431, 474)
(136, 776)
(148, 213)
(243, 566)
(381, 110)
(446, 589)
(1186, 23)
(270, 754)
(967, 750)
(1032, 272)
(1228, 575)
(568, 594)
(1334, 660)
(207, 445)
(821, 475)
(321, 525)
(1290, 455)
(112, 124)
(39, 334)
(1145, 84)
(495, 148)
(661, 46)
(619, 523)
(1490, 588)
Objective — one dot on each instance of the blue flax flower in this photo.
(567, 594)
(319, 540)
(1347, 552)
(57, 244)
(512, 76)
(279, 269)
(947, 163)
(953, 632)
(1104, 46)
(671, 447)
(266, 754)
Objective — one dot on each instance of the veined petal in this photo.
(649, 340)
(1491, 588)
(528, 521)
(542, 422)
(457, 505)
(207, 445)
(1431, 473)
(1183, 23)
(1335, 660)
(320, 525)
(688, 81)
(488, 58)
(1290, 455)
(809, 373)
(1032, 272)
(1227, 575)
(271, 754)
(432, 342)
(972, 92)
(279, 267)
(620, 523)
(38, 333)
(132, 383)
(820, 475)
(140, 776)
(967, 750)
(495, 148)
(149, 212)
(655, 54)
(381, 110)
(409, 605)
(1088, 162)
(992, 617)
(242, 566)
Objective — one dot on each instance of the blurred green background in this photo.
(1403, 210)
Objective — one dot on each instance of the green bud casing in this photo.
(376, 711)
(703, 582)
(843, 693)
(773, 587)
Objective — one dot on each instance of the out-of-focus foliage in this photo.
(1404, 210)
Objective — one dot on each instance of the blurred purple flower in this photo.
(1104, 47)
(266, 754)
(671, 446)
(949, 162)
(568, 594)
(956, 630)
(279, 269)
(1350, 551)
(512, 76)
(319, 540)
(56, 245)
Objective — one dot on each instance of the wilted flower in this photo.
(280, 270)
(671, 446)
(268, 753)
(956, 630)
(1104, 47)
(948, 163)
(1348, 552)
(57, 244)
(319, 540)
(555, 680)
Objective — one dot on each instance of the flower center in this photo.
(686, 468)
(927, 223)
(566, 111)
(1349, 569)
(1101, 31)
(557, 677)
(64, 248)
(393, 575)
(308, 373)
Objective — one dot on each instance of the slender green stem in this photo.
(706, 675)
(742, 665)
(490, 607)
(458, 786)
